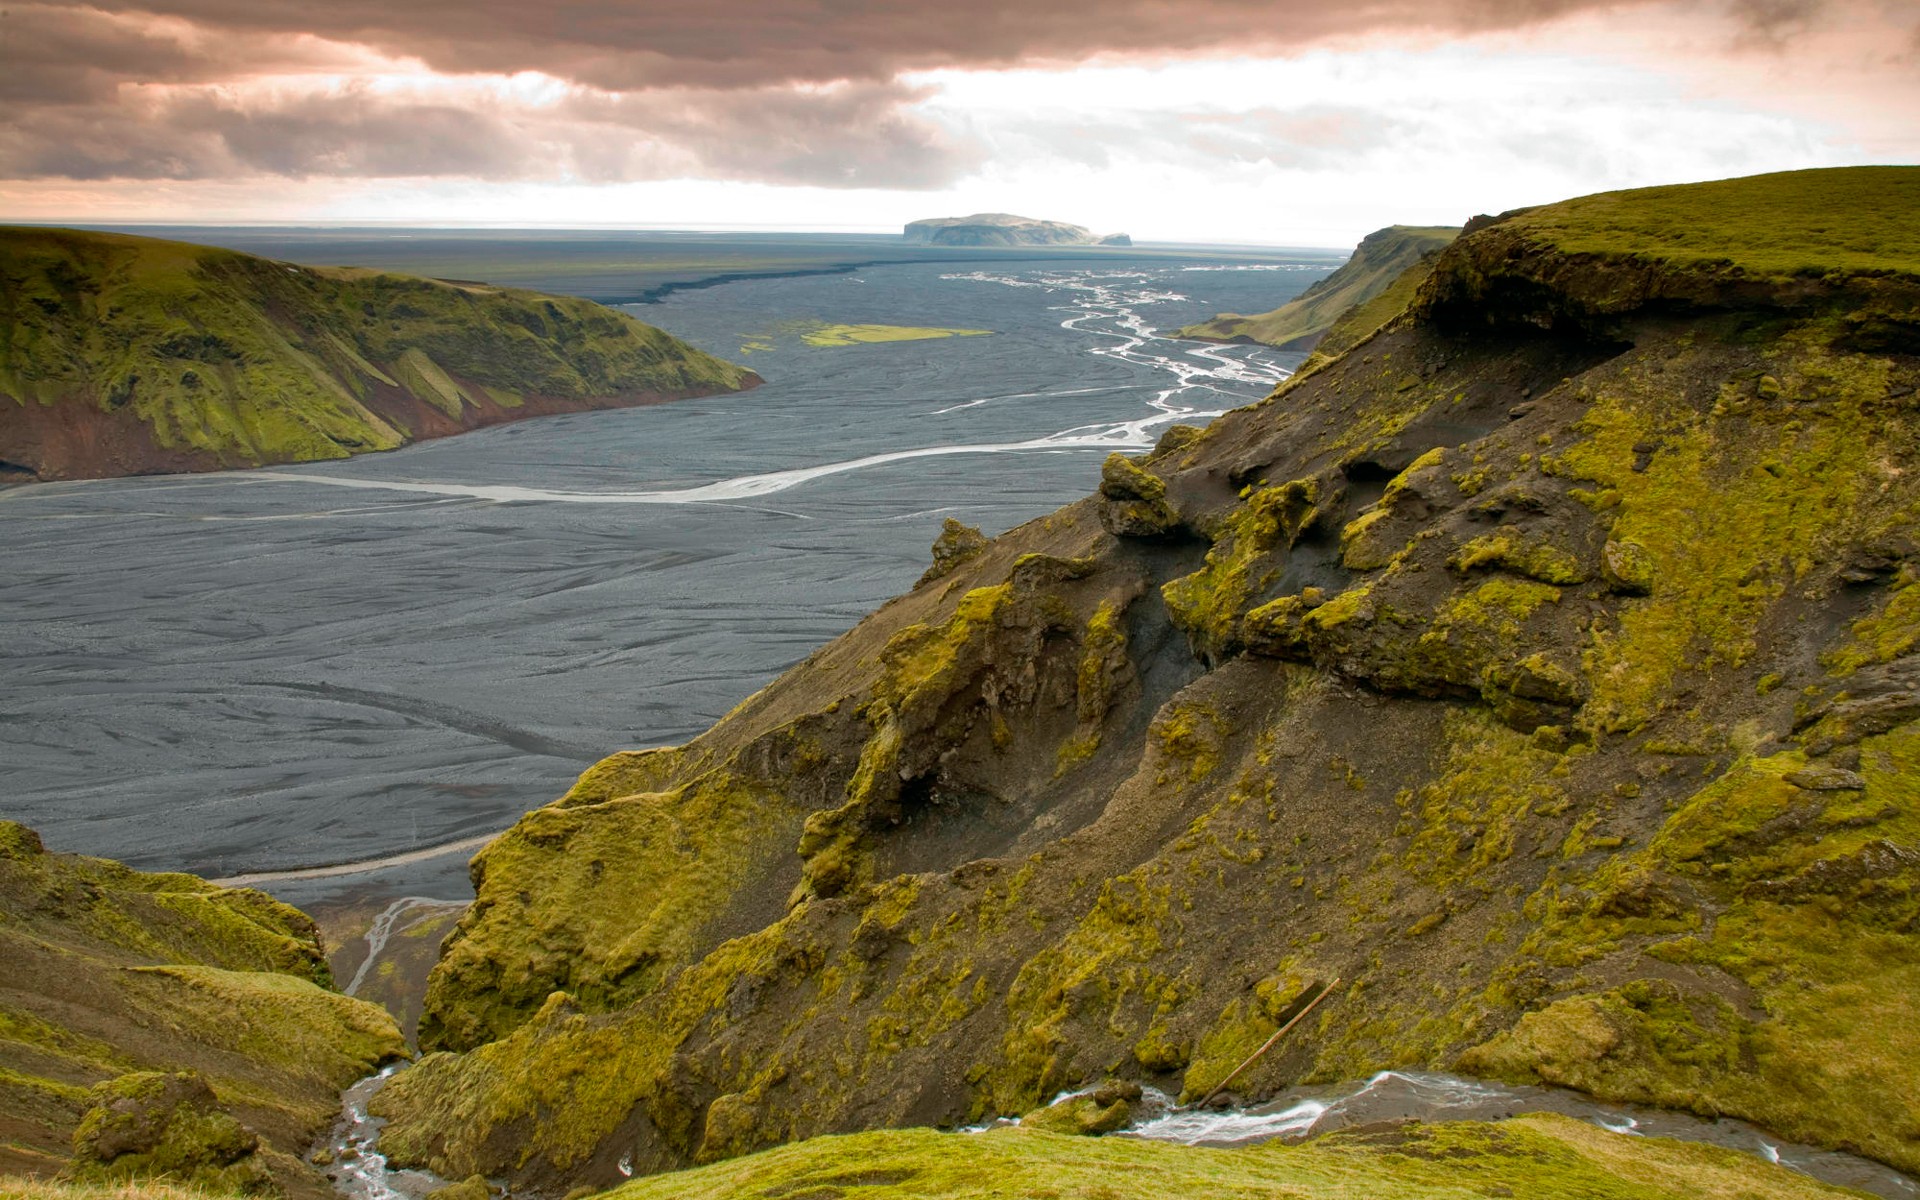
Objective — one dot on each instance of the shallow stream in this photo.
(1301, 1113)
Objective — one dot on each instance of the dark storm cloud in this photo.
(625, 44)
(838, 136)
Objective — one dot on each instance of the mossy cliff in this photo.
(127, 355)
(1380, 279)
(1541, 667)
(157, 1025)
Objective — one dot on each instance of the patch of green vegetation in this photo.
(153, 1123)
(1379, 279)
(1785, 224)
(1107, 957)
(1814, 897)
(1891, 631)
(246, 361)
(1733, 509)
(1510, 550)
(854, 335)
(605, 937)
(1540, 1157)
(569, 1077)
(111, 972)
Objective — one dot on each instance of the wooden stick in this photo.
(1277, 1035)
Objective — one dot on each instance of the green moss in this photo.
(1891, 631)
(1190, 736)
(1814, 916)
(1209, 603)
(1480, 802)
(1730, 512)
(1240, 1029)
(248, 361)
(175, 973)
(1511, 550)
(1541, 1157)
(1362, 548)
(606, 938)
(154, 1123)
(919, 660)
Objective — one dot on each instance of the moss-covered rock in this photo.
(153, 1123)
(957, 543)
(1104, 1109)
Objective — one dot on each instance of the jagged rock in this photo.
(1134, 501)
(956, 544)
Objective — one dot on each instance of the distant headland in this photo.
(1005, 229)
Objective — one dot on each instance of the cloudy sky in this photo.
(1303, 122)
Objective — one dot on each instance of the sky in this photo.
(1289, 122)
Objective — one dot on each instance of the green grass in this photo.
(239, 360)
(1789, 223)
(1542, 1158)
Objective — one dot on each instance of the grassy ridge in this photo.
(1784, 224)
(1381, 259)
(224, 359)
(107, 974)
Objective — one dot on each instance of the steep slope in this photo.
(157, 1024)
(127, 355)
(1541, 667)
(1385, 270)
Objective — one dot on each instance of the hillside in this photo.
(1004, 229)
(1381, 277)
(1540, 667)
(125, 355)
(157, 1024)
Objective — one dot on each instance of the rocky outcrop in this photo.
(125, 355)
(1004, 229)
(1547, 679)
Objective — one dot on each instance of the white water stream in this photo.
(1404, 1095)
